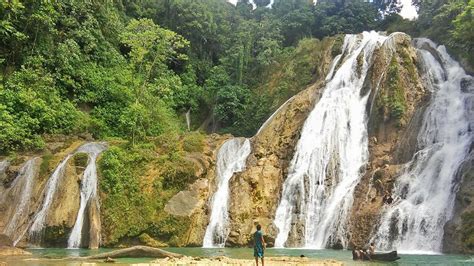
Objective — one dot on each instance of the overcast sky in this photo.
(408, 10)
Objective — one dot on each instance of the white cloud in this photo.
(408, 10)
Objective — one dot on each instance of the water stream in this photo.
(88, 190)
(231, 159)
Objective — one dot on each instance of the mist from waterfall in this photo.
(231, 159)
(425, 192)
(88, 190)
(332, 149)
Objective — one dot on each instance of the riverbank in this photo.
(215, 261)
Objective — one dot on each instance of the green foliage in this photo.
(334, 17)
(126, 211)
(463, 31)
(30, 106)
(44, 167)
(395, 98)
(193, 142)
(137, 181)
(448, 22)
(81, 159)
(171, 229)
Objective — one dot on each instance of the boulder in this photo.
(12, 251)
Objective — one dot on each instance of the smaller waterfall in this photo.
(88, 190)
(231, 159)
(188, 119)
(22, 187)
(39, 219)
(425, 192)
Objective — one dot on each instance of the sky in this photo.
(408, 10)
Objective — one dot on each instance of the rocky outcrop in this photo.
(191, 205)
(7, 248)
(13, 251)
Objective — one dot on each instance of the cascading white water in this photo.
(23, 187)
(231, 159)
(318, 192)
(39, 219)
(425, 191)
(88, 190)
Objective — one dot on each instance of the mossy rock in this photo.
(337, 45)
(45, 162)
(171, 229)
(56, 236)
(80, 161)
(193, 142)
(150, 241)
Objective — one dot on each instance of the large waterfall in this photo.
(425, 191)
(21, 189)
(231, 158)
(39, 219)
(318, 192)
(88, 190)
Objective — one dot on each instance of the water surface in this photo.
(53, 257)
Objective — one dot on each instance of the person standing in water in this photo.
(259, 245)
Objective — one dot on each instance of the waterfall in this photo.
(318, 191)
(39, 219)
(22, 187)
(188, 119)
(231, 158)
(425, 192)
(88, 190)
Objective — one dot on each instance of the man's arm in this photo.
(263, 242)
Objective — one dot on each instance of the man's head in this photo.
(372, 244)
(259, 227)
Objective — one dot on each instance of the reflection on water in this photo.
(55, 257)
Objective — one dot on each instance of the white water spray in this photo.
(425, 192)
(88, 190)
(332, 149)
(231, 159)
